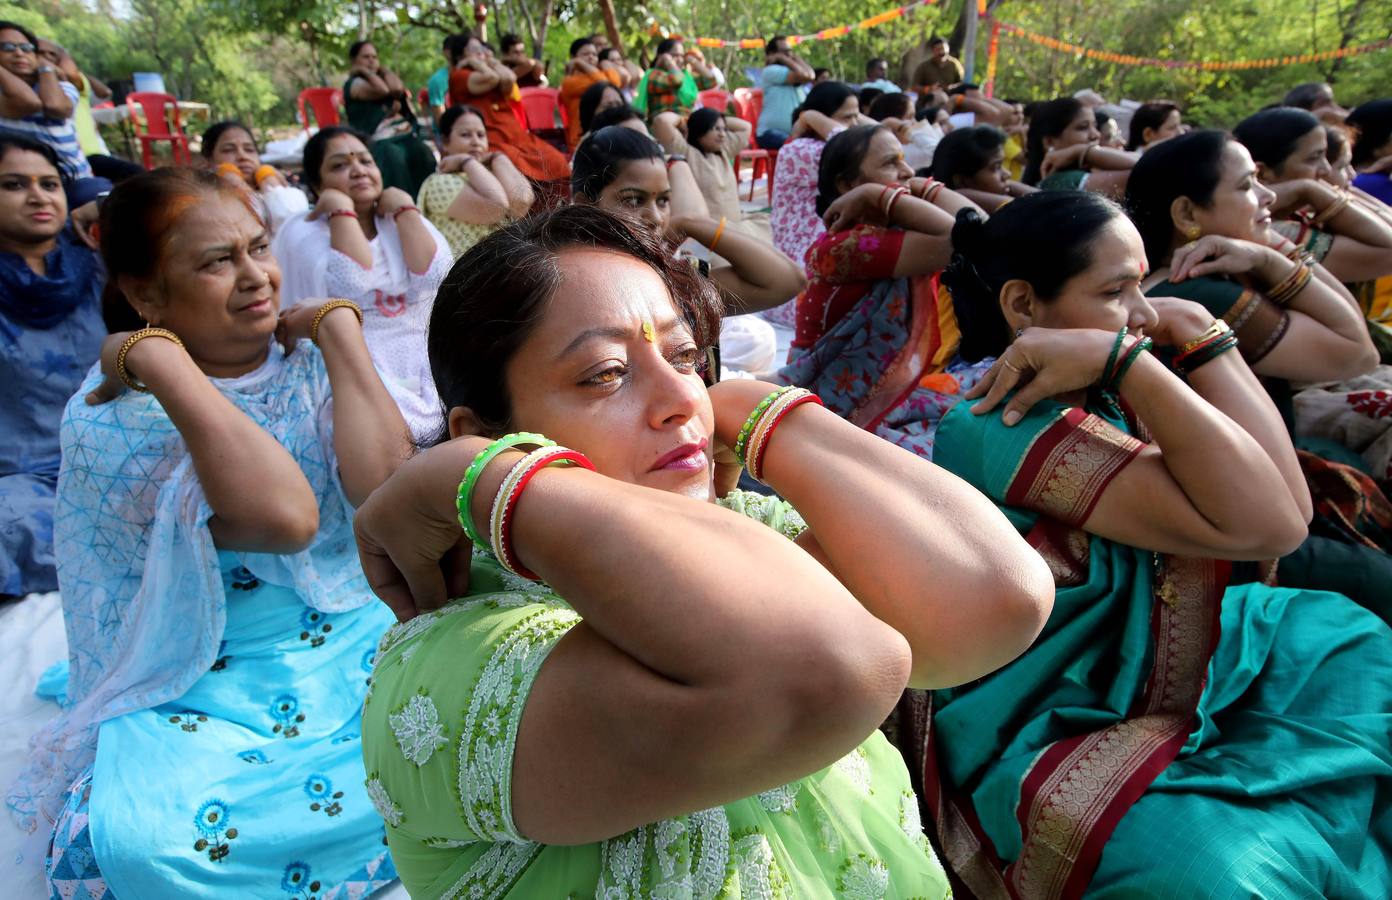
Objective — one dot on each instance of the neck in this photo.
(31, 252)
(232, 368)
(367, 218)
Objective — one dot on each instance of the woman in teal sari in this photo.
(376, 103)
(1177, 730)
(681, 701)
(1205, 220)
(1063, 151)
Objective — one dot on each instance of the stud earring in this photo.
(1193, 232)
(1019, 331)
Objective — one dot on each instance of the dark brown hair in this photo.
(498, 291)
(137, 220)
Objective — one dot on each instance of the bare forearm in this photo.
(259, 497)
(417, 243)
(687, 199)
(370, 436)
(346, 236)
(56, 104)
(1205, 452)
(653, 595)
(1230, 387)
(517, 188)
(921, 549)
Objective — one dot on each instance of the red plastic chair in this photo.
(155, 118)
(323, 103)
(714, 98)
(748, 103)
(541, 107)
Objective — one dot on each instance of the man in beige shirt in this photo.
(940, 70)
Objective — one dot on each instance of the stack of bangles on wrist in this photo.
(889, 196)
(931, 188)
(136, 337)
(754, 435)
(1118, 364)
(1332, 210)
(264, 172)
(1285, 290)
(500, 516)
(1216, 340)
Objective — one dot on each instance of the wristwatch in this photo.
(43, 69)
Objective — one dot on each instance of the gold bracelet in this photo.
(719, 230)
(1331, 210)
(1291, 285)
(135, 338)
(325, 310)
(1217, 329)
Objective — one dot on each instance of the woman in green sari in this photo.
(377, 103)
(685, 704)
(1205, 219)
(1063, 151)
(1174, 731)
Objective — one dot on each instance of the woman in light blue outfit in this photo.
(219, 626)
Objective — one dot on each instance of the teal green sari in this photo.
(1171, 733)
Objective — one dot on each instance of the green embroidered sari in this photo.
(1170, 733)
(440, 723)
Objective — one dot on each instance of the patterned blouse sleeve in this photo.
(1258, 323)
(862, 253)
(1056, 461)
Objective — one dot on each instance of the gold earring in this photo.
(1193, 232)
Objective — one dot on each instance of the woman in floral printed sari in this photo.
(219, 627)
(1175, 731)
(1205, 219)
(876, 338)
(686, 706)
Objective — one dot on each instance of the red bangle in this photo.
(756, 458)
(396, 215)
(343, 212)
(509, 556)
(880, 201)
(927, 186)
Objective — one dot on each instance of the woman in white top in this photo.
(374, 247)
(709, 142)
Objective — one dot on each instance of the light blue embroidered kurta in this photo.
(214, 696)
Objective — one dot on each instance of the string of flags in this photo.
(1043, 40)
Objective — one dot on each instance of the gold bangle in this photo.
(1217, 329)
(135, 338)
(325, 310)
(719, 230)
(1331, 210)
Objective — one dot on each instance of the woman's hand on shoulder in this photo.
(1214, 254)
(295, 322)
(860, 204)
(1061, 159)
(413, 551)
(330, 200)
(141, 357)
(1042, 363)
(455, 162)
(392, 200)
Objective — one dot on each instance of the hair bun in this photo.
(969, 232)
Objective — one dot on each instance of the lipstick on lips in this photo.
(686, 458)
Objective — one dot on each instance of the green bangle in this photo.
(753, 420)
(1208, 354)
(1134, 354)
(1112, 358)
(464, 502)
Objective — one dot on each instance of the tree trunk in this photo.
(531, 26)
(363, 29)
(547, 11)
(611, 25)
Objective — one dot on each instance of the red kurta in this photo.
(503, 119)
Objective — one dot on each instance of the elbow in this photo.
(791, 282)
(1363, 361)
(290, 530)
(1269, 537)
(847, 681)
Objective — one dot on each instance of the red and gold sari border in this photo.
(1069, 464)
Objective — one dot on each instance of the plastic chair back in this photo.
(714, 98)
(542, 105)
(322, 103)
(153, 112)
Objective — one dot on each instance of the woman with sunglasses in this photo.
(36, 101)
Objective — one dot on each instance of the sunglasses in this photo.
(11, 47)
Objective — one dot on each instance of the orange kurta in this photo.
(572, 87)
(502, 118)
